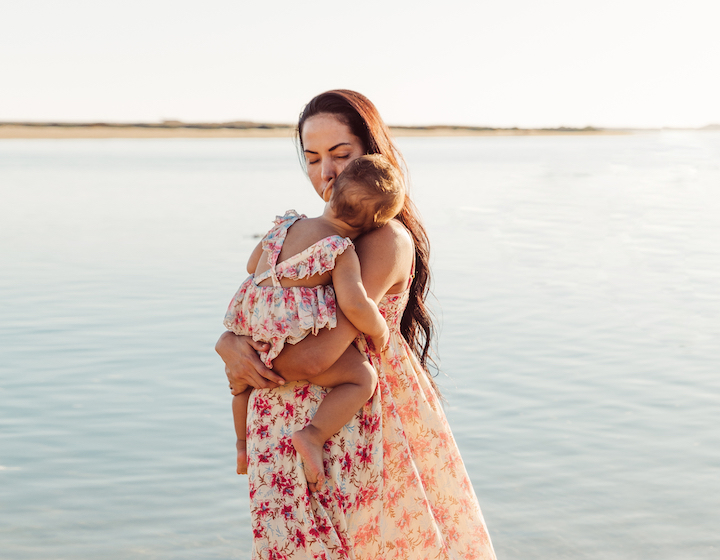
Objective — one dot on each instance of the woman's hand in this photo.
(243, 366)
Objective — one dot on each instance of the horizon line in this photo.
(254, 125)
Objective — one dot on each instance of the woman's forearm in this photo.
(313, 355)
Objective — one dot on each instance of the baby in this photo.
(297, 272)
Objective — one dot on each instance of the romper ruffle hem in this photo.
(277, 314)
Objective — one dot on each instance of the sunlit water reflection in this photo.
(578, 290)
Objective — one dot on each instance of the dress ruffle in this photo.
(280, 315)
(318, 259)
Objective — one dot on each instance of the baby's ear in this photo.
(327, 193)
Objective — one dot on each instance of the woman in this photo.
(396, 486)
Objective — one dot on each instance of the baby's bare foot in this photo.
(241, 457)
(309, 444)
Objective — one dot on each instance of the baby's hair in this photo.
(368, 193)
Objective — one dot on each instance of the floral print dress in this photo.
(397, 487)
(276, 314)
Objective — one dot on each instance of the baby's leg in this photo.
(353, 380)
(239, 408)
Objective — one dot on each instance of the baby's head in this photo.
(368, 193)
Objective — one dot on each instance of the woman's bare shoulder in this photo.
(392, 236)
(386, 256)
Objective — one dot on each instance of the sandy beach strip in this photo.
(437, 131)
(14, 131)
(70, 131)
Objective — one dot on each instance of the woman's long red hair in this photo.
(360, 115)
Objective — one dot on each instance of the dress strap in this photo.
(412, 274)
(269, 273)
(272, 244)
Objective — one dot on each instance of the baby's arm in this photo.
(254, 258)
(353, 299)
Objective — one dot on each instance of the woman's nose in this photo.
(329, 171)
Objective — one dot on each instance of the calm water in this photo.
(577, 285)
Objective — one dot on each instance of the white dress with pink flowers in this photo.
(397, 488)
(276, 314)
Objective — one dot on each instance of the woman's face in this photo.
(329, 146)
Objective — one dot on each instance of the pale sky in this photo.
(526, 63)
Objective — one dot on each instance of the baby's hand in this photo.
(381, 341)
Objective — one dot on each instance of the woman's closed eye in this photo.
(314, 161)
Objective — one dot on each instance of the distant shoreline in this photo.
(243, 129)
(173, 129)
